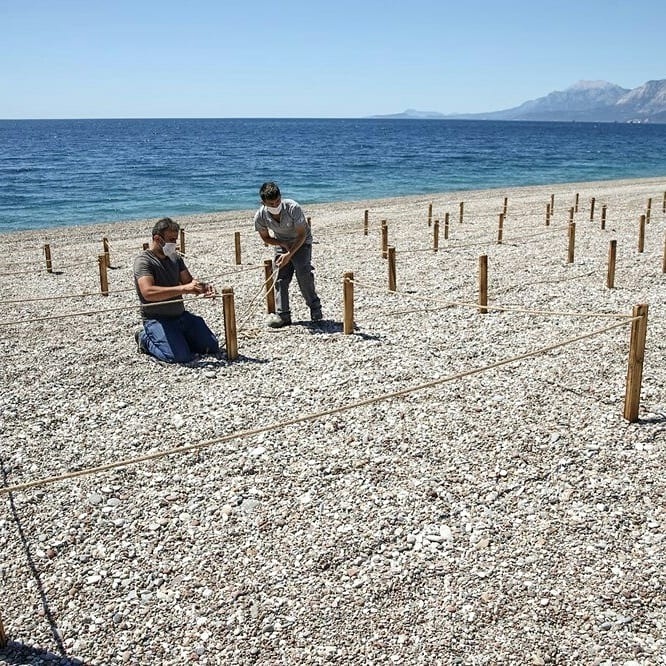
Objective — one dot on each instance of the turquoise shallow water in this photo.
(55, 172)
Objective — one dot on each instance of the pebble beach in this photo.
(441, 486)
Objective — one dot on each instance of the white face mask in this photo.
(275, 210)
(169, 250)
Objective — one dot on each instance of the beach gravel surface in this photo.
(440, 486)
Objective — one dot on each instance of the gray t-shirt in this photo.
(291, 217)
(166, 273)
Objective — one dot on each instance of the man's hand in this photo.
(283, 260)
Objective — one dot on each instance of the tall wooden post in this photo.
(103, 277)
(571, 215)
(462, 210)
(506, 203)
(572, 242)
(592, 202)
(603, 217)
(270, 291)
(429, 214)
(663, 260)
(576, 203)
(552, 204)
(237, 247)
(663, 205)
(348, 303)
(612, 255)
(632, 396)
(500, 228)
(641, 233)
(483, 283)
(230, 336)
(391, 269)
(384, 240)
(47, 256)
(365, 222)
(547, 214)
(182, 241)
(107, 254)
(446, 226)
(648, 211)
(3, 636)
(435, 236)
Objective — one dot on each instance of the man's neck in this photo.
(156, 249)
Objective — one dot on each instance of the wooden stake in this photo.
(603, 217)
(348, 303)
(237, 245)
(3, 636)
(612, 254)
(270, 292)
(429, 214)
(462, 210)
(648, 211)
(483, 283)
(384, 240)
(576, 203)
(663, 205)
(547, 214)
(435, 237)
(663, 260)
(107, 254)
(506, 203)
(641, 233)
(571, 215)
(103, 277)
(47, 255)
(446, 226)
(572, 242)
(230, 335)
(365, 222)
(552, 204)
(592, 202)
(500, 228)
(391, 269)
(182, 241)
(632, 396)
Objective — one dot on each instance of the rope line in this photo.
(499, 308)
(301, 419)
(68, 315)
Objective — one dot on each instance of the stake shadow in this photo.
(17, 651)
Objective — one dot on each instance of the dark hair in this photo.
(269, 191)
(166, 223)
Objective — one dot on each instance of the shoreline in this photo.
(223, 216)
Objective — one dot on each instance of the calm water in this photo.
(55, 172)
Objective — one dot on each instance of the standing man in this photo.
(170, 333)
(280, 222)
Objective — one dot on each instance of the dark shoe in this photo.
(139, 345)
(278, 321)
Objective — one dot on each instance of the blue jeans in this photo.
(178, 339)
(301, 265)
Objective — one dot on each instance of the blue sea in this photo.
(75, 172)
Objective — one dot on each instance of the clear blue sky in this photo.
(304, 58)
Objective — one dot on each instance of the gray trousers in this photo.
(301, 265)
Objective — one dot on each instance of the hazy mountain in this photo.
(585, 101)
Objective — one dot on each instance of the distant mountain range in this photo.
(585, 101)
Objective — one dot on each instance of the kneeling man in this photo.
(170, 333)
